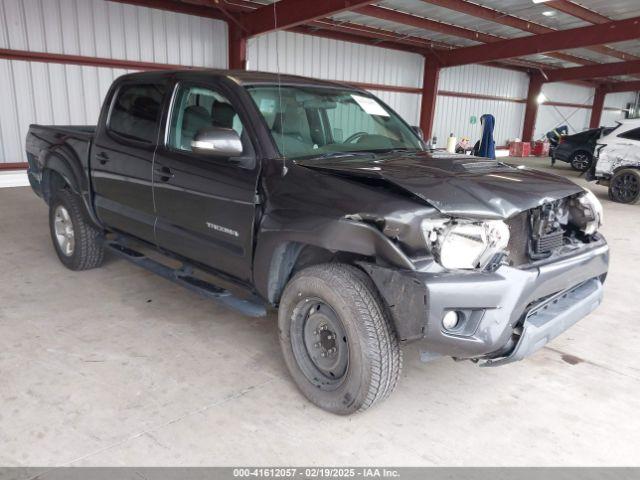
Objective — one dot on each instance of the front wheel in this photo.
(581, 161)
(336, 338)
(624, 187)
(77, 242)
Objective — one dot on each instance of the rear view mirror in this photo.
(217, 142)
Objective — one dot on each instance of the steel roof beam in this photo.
(292, 13)
(479, 11)
(615, 31)
(594, 71)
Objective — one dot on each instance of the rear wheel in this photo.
(581, 161)
(624, 187)
(76, 241)
(336, 338)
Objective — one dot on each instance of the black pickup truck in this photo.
(316, 198)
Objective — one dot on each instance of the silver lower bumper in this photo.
(551, 318)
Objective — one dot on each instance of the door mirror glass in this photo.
(217, 142)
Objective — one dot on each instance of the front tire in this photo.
(76, 241)
(581, 161)
(624, 186)
(336, 338)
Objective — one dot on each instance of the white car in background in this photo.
(618, 162)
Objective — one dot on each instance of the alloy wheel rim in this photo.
(626, 188)
(581, 161)
(63, 228)
(321, 349)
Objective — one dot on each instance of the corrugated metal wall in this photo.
(34, 92)
(336, 60)
(617, 101)
(550, 116)
(453, 114)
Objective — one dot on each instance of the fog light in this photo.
(450, 320)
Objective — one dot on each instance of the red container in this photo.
(541, 149)
(520, 149)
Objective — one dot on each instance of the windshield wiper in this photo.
(345, 154)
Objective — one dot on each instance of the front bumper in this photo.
(506, 315)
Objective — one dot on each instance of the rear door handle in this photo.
(164, 173)
(102, 158)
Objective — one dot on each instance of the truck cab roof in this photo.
(241, 77)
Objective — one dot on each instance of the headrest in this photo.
(286, 123)
(222, 115)
(195, 118)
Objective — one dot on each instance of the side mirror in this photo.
(217, 142)
(418, 131)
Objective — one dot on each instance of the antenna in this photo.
(280, 112)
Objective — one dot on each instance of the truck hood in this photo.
(456, 185)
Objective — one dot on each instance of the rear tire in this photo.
(581, 161)
(624, 186)
(77, 242)
(336, 338)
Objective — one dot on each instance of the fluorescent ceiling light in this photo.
(549, 13)
(541, 98)
(539, 1)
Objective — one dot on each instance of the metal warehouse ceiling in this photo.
(453, 24)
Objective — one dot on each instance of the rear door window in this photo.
(135, 112)
(631, 134)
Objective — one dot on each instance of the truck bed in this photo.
(66, 144)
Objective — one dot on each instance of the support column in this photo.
(531, 113)
(598, 106)
(237, 48)
(429, 94)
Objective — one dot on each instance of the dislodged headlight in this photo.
(466, 244)
(587, 212)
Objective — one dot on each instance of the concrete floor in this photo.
(116, 366)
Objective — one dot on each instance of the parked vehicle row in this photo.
(316, 198)
(618, 162)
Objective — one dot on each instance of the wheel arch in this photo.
(279, 254)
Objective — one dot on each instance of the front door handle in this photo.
(102, 157)
(164, 173)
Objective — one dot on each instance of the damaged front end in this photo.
(494, 290)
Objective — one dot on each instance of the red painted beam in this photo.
(429, 94)
(531, 111)
(479, 11)
(89, 61)
(616, 31)
(291, 13)
(426, 24)
(178, 7)
(598, 106)
(237, 48)
(448, 29)
(14, 166)
(378, 34)
(353, 37)
(624, 87)
(577, 11)
(594, 71)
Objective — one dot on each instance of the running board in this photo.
(183, 276)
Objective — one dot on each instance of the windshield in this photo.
(316, 121)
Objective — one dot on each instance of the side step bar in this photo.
(183, 276)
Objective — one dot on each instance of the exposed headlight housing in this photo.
(465, 244)
(587, 212)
